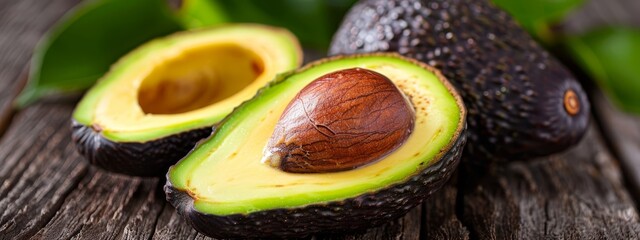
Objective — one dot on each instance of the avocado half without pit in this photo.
(155, 103)
(344, 143)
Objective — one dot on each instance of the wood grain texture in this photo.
(47, 191)
(39, 170)
(407, 227)
(575, 195)
(622, 131)
(102, 206)
(439, 218)
(22, 24)
(170, 225)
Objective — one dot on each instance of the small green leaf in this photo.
(82, 46)
(612, 57)
(201, 13)
(536, 15)
(312, 21)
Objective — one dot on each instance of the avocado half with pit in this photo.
(156, 102)
(344, 143)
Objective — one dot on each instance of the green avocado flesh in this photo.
(224, 174)
(186, 81)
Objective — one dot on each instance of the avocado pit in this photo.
(340, 121)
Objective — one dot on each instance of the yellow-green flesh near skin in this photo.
(224, 174)
(209, 69)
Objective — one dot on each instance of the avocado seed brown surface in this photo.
(340, 121)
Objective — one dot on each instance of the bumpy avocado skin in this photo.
(364, 211)
(151, 158)
(513, 88)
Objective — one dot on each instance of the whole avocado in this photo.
(522, 102)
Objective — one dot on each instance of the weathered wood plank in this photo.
(45, 184)
(595, 13)
(102, 205)
(622, 130)
(39, 169)
(49, 189)
(407, 227)
(22, 24)
(440, 220)
(171, 226)
(142, 223)
(574, 195)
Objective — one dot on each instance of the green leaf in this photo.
(312, 21)
(201, 13)
(612, 57)
(536, 15)
(82, 46)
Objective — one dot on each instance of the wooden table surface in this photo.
(48, 191)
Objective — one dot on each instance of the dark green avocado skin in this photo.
(152, 158)
(513, 89)
(364, 211)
